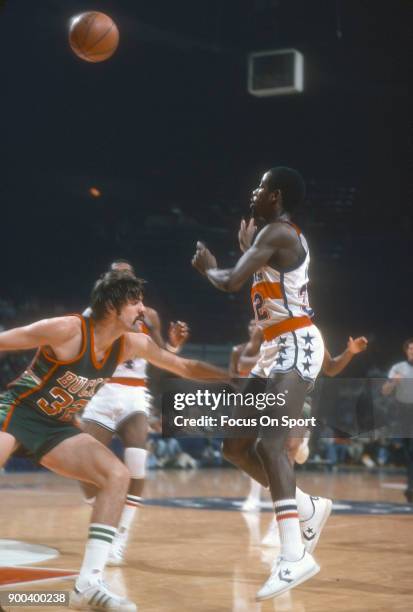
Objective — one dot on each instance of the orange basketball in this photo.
(93, 36)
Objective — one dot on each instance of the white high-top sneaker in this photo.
(286, 575)
(96, 596)
(311, 528)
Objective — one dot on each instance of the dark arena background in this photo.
(139, 157)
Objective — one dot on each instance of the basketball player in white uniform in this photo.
(290, 360)
(122, 407)
(297, 443)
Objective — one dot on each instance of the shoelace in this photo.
(276, 562)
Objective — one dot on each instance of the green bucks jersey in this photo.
(60, 389)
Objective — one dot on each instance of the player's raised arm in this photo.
(334, 365)
(153, 323)
(178, 331)
(269, 240)
(246, 234)
(139, 345)
(50, 332)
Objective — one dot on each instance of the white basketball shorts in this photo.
(301, 350)
(114, 403)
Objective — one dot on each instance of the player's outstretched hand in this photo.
(178, 333)
(203, 259)
(357, 345)
(246, 234)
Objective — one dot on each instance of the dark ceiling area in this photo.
(168, 133)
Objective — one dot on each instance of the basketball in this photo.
(93, 36)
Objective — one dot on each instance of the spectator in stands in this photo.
(166, 452)
(401, 384)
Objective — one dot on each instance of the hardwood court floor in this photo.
(189, 559)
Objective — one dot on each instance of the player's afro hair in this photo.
(290, 183)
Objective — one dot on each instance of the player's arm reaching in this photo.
(178, 331)
(178, 334)
(334, 365)
(139, 345)
(270, 239)
(234, 360)
(54, 332)
(153, 323)
(249, 355)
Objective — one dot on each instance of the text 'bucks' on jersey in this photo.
(61, 389)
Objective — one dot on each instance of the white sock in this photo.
(96, 553)
(304, 504)
(255, 490)
(292, 547)
(128, 514)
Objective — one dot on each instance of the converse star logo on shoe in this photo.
(282, 575)
(309, 533)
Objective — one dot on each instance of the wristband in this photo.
(172, 349)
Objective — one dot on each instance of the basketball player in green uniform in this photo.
(122, 407)
(75, 355)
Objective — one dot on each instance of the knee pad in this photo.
(135, 461)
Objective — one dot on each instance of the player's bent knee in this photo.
(120, 473)
(135, 461)
(115, 474)
(8, 444)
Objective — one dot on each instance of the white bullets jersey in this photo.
(277, 296)
(133, 368)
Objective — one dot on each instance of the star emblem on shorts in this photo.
(309, 530)
(306, 365)
(282, 340)
(287, 572)
(308, 352)
(283, 349)
(308, 339)
(279, 360)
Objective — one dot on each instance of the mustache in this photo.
(139, 318)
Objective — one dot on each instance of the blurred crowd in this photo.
(354, 426)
